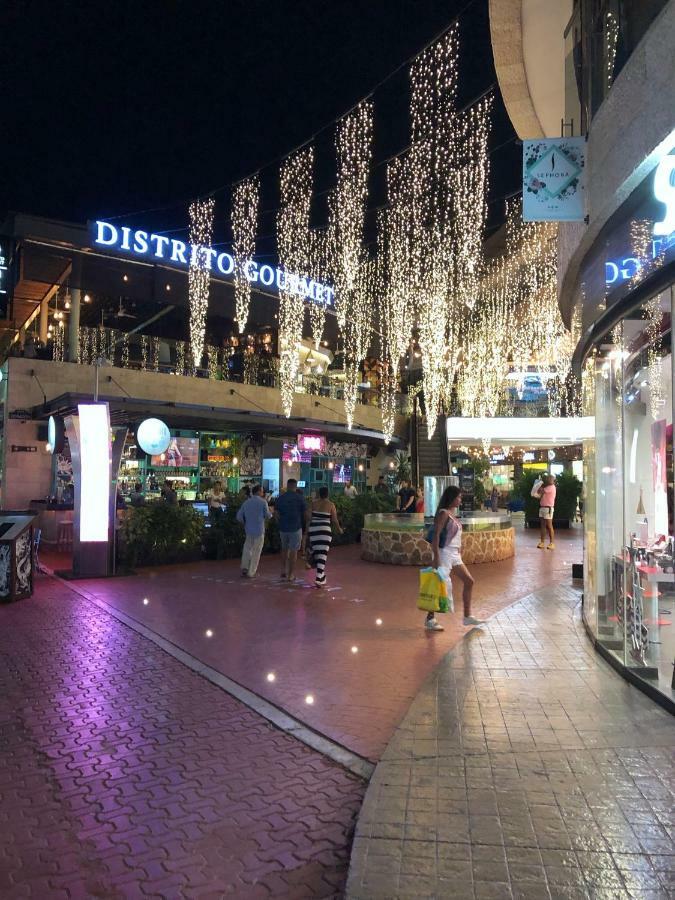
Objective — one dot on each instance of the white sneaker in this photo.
(472, 620)
(433, 625)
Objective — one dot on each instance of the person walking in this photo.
(290, 512)
(446, 555)
(546, 506)
(253, 513)
(322, 517)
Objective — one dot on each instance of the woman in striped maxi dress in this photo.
(322, 516)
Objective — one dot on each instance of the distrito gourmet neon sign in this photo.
(173, 252)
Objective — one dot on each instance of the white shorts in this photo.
(546, 512)
(449, 557)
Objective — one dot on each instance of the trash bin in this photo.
(16, 557)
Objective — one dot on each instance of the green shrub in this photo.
(159, 533)
(351, 513)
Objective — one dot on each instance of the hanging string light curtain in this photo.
(245, 202)
(201, 237)
(433, 178)
(394, 301)
(318, 253)
(294, 249)
(353, 277)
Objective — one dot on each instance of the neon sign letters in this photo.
(311, 443)
(663, 230)
(664, 192)
(173, 252)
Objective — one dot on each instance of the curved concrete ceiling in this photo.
(507, 48)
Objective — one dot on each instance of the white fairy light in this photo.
(353, 277)
(244, 214)
(318, 257)
(293, 240)
(199, 277)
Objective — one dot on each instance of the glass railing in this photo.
(149, 353)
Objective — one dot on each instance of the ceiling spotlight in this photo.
(87, 298)
(378, 621)
(209, 633)
(235, 461)
(355, 649)
(125, 277)
(309, 699)
(145, 601)
(168, 287)
(271, 676)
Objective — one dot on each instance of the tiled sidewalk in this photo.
(525, 768)
(305, 637)
(123, 774)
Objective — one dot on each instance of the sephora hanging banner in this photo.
(554, 174)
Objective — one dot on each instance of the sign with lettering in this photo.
(664, 192)
(140, 244)
(6, 255)
(554, 179)
(22, 448)
(311, 443)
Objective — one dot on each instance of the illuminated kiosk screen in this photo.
(95, 472)
(182, 453)
(342, 474)
(292, 453)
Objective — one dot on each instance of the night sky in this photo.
(111, 109)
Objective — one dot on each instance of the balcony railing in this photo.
(149, 353)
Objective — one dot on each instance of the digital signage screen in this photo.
(293, 453)
(182, 453)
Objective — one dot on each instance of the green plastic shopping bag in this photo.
(433, 596)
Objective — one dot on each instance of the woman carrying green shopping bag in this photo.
(445, 549)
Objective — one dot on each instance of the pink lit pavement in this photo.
(124, 773)
(304, 637)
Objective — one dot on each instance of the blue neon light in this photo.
(172, 251)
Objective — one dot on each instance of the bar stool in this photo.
(64, 535)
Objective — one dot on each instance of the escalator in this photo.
(429, 457)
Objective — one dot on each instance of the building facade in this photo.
(616, 279)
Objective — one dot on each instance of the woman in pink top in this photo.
(546, 505)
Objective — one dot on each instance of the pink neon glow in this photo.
(95, 468)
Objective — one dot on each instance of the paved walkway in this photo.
(123, 774)
(249, 629)
(525, 768)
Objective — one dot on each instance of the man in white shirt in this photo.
(350, 491)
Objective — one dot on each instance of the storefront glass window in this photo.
(629, 565)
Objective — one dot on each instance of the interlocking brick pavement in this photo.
(305, 636)
(124, 774)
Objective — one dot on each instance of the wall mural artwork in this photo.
(251, 459)
(23, 563)
(5, 569)
(340, 450)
